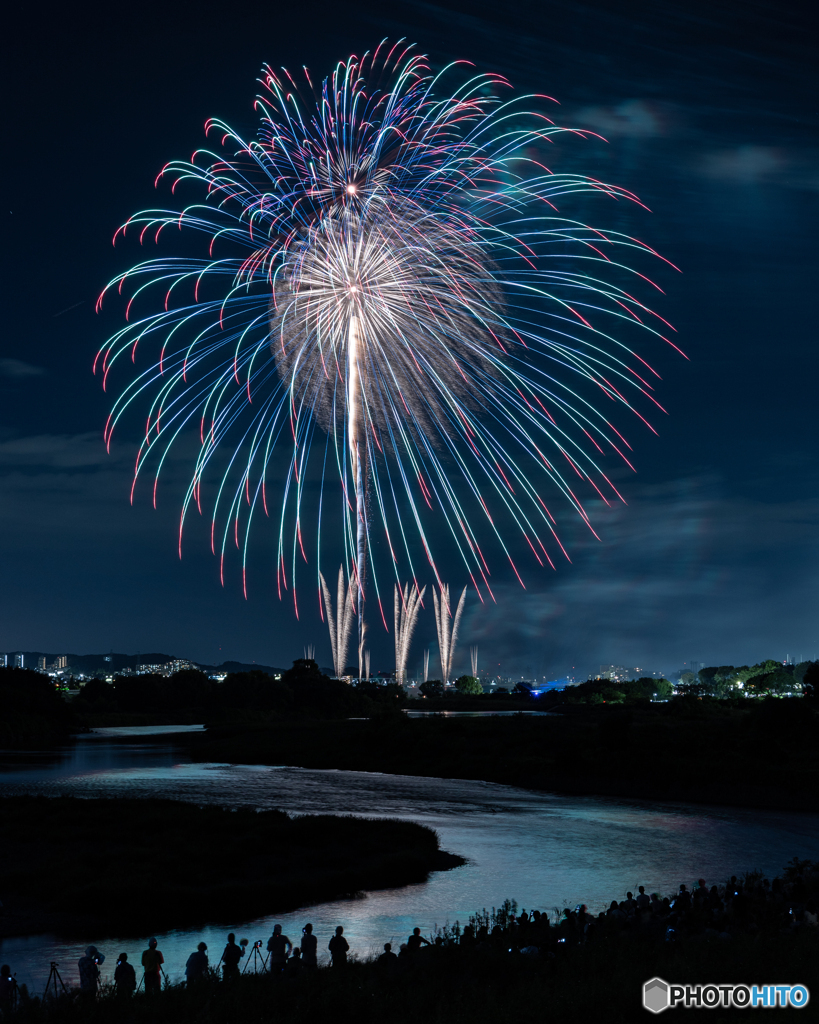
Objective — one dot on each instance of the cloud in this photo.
(17, 368)
(746, 164)
(763, 165)
(60, 451)
(685, 571)
(629, 119)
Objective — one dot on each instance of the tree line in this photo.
(302, 690)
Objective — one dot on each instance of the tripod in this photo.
(142, 979)
(53, 978)
(258, 958)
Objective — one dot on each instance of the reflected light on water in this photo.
(543, 850)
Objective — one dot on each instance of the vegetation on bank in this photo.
(124, 866)
(600, 981)
(34, 713)
(38, 714)
(762, 753)
(302, 691)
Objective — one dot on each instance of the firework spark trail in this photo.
(386, 263)
(426, 665)
(353, 416)
(447, 636)
(408, 603)
(473, 654)
(340, 622)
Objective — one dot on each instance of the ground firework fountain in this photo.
(407, 605)
(447, 636)
(340, 620)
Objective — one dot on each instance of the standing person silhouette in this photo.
(196, 969)
(8, 991)
(294, 966)
(89, 970)
(416, 940)
(231, 957)
(309, 948)
(152, 961)
(388, 959)
(124, 976)
(279, 946)
(339, 947)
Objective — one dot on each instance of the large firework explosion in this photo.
(386, 267)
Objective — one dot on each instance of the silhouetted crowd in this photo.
(741, 905)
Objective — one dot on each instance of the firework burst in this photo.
(386, 266)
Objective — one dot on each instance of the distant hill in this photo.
(114, 662)
(240, 666)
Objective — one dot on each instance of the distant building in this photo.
(167, 668)
(615, 673)
(180, 665)
(19, 661)
(621, 673)
(41, 663)
(61, 662)
(4, 661)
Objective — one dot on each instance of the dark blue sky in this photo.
(710, 114)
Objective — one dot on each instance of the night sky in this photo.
(710, 112)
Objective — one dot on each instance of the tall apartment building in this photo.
(19, 660)
(61, 662)
(41, 663)
(4, 661)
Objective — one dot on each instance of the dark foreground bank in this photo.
(506, 966)
(764, 755)
(75, 867)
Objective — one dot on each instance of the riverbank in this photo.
(597, 981)
(765, 756)
(75, 867)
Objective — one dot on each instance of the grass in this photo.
(69, 865)
(599, 982)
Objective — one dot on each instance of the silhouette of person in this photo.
(309, 948)
(683, 900)
(231, 957)
(89, 970)
(197, 966)
(295, 965)
(388, 959)
(8, 988)
(415, 941)
(279, 946)
(339, 947)
(124, 976)
(152, 961)
(642, 900)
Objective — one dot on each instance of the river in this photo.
(543, 850)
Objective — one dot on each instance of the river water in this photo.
(543, 850)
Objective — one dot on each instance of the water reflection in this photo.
(469, 714)
(543, 850)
